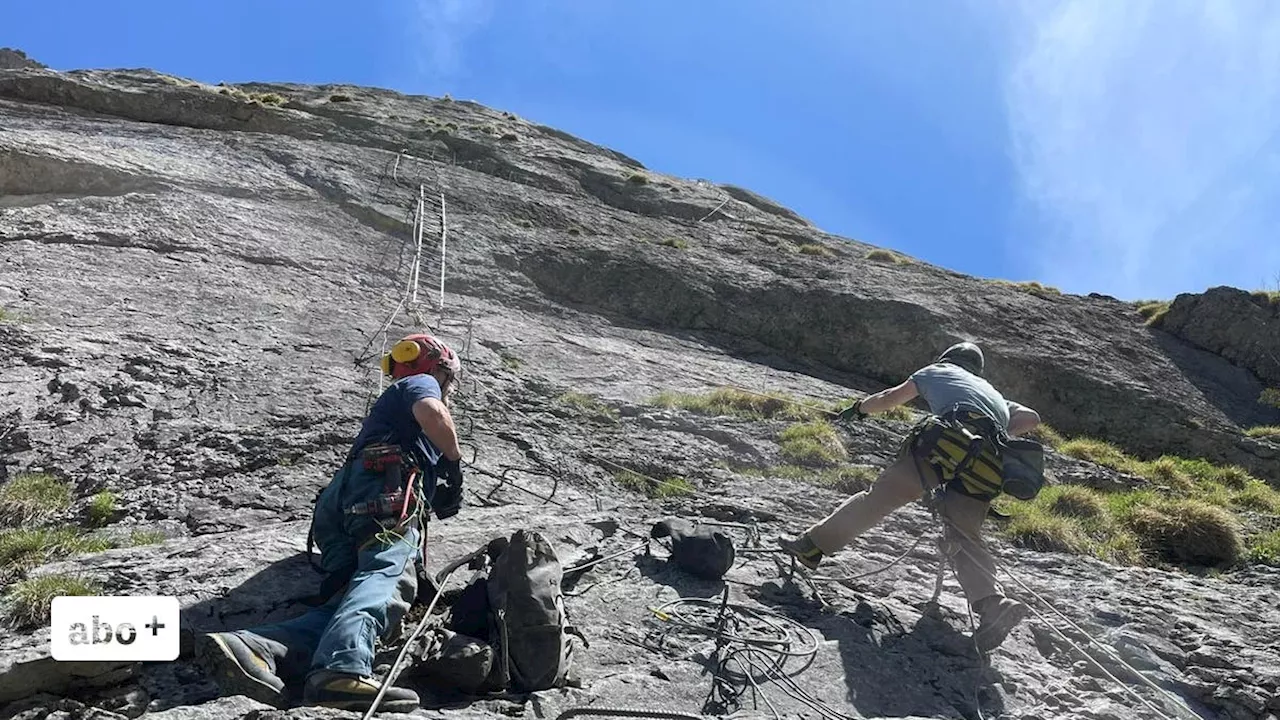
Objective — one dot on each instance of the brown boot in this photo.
(1000, 615)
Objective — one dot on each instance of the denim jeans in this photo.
(340, 635)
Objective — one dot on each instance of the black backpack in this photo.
(529, 630)
(697, 549)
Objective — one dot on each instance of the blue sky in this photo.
(1124, 148)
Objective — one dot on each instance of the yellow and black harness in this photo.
(975, 457)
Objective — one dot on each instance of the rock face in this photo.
(11, 59)
(198, 281)
(1241, 327)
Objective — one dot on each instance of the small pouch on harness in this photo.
(1023, 467)
(397, 499)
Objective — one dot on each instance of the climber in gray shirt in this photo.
(953, 385)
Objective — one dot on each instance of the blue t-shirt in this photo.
(391, 420)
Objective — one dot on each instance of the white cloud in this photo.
(1145, 139)
(443, 27)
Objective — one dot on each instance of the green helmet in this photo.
(966, 355)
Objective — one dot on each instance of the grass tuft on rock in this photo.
(1270, 397)
(146, 537)
(674, 242)
(1044, 532)
(588, 403)
(1031, 287)
(102, 507)
(1153, 312)
(737, 403)
(1098, 452)
(1267, 432)
(32, 498)
(24, 548)
(654, 488)
(1075, 502)
(814, 249)
(814, 444)
(27, 603)
(1187, 532)
(1265, 549)
(1045, 435)
(887, 256)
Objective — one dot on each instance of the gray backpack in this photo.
(529, 629)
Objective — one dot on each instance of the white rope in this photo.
(444, 226)
(420, 221)
(395, 666)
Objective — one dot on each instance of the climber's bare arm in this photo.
(891, 398)
(1022, 420)
(437, 423)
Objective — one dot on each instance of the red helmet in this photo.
(419, 355)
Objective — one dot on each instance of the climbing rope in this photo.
(417, 630)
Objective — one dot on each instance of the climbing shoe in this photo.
(1000, 616)
(803, 550)
(238, 669)
(345, 691)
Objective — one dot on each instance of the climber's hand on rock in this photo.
(852, 413)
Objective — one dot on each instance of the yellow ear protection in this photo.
(404, 352)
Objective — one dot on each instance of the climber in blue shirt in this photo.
(367, 524)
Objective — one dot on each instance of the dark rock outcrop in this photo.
(1241, 327)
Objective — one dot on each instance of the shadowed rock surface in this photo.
(199, 277)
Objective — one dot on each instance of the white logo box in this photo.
(114, 627)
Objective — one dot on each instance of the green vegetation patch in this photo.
(1269, 432)
(24, 548)
(1153, 312)
(638, 179)
(887, 256)
(1070, 519)
(674, 242)
(27, 603)
(1266, 298)
(1046, 435)
(1032, 287)
(814, 249)
(31, 498)
(738, 403)
(146, 537)
(1270, 396)
(590, 404)
(102, 507)
(1186, 532)
(814, 443)
(657, 489)
(1265, 549)
(272, 99)
(1189, 518)
(900, 412)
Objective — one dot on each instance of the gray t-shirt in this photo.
(944, 385)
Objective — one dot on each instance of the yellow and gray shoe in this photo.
(238, 670)
(803, 550)
(346, 691)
